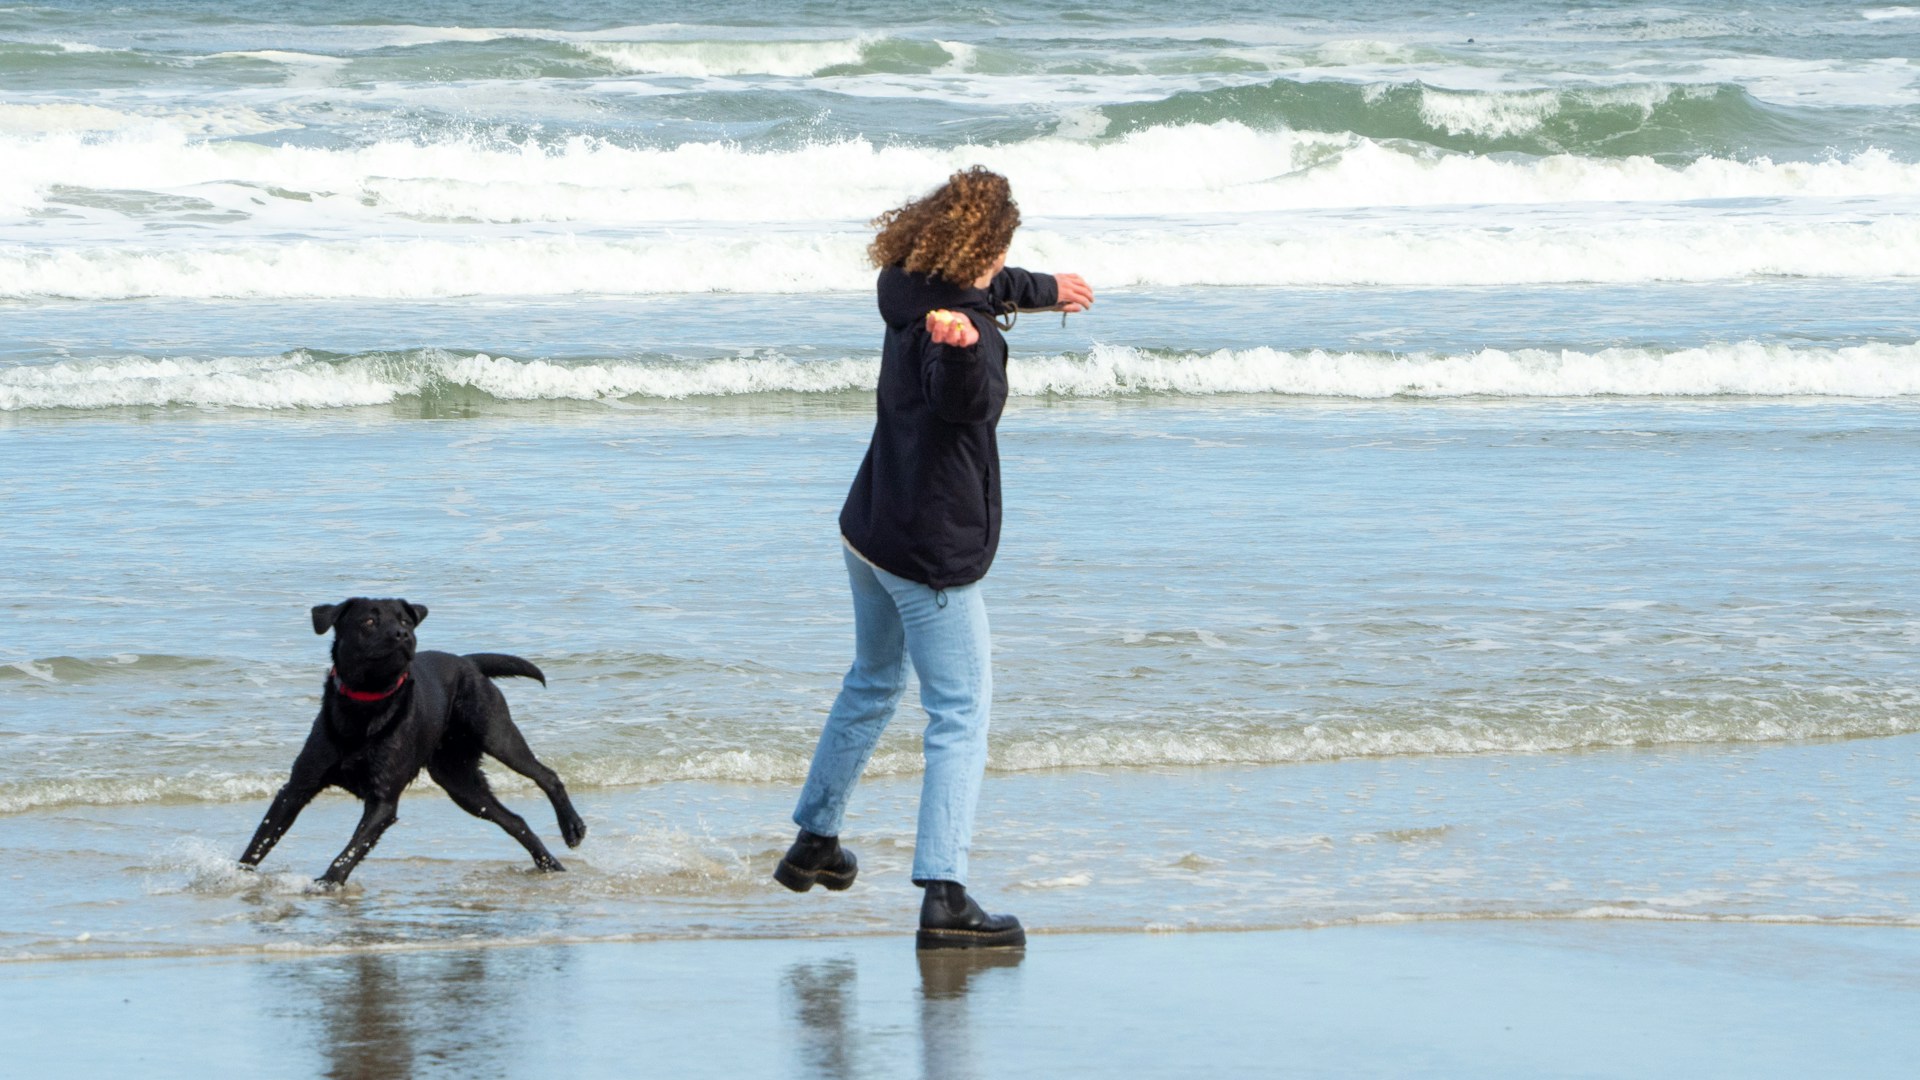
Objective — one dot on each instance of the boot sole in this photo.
(801, 880)
(971, 939)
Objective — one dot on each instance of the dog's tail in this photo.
(499, 665)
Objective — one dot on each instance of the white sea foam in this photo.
(18, 796)
(964, 56)
(1277, 253)
(67, 120)
(1163, 172)
(1017, 751)
(284, 56)
(438, 268)
(1746, 368)
(1357, 51)
(701, 59)
(1519, 112)
(301, 381)
(1710, 249)
(1174, 185)
(195, 864)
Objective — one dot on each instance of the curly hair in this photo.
(954, 233)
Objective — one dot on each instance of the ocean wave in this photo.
(1165, 170)
(307, 380)
(783, 756)
(20, 796)
(1658, 24)
(1667, 121)
(83, 124)
(712, 59)
(286, 57)
(1743, 368)
(303, 380)
(73, 669)
(427, 54)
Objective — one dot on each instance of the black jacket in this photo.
(926, 504)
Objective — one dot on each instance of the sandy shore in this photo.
(1424, 999)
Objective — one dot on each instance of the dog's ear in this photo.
(324, 616)
(419, 612)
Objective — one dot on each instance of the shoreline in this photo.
(1814, 835)
(297, 952)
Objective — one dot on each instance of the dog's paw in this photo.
(573, 830)
(549, 865)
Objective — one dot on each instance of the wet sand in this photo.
(1420, 999)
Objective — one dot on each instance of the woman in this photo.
(920, 528)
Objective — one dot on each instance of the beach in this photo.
(1608, 913)
(1498, 916)
(1457, 603)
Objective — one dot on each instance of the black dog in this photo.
(385, 713)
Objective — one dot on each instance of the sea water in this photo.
(1485, 487)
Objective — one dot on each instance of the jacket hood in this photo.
(906, 298)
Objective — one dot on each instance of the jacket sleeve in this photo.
(955, 380)
(1023, 290)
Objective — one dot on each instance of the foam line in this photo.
(301, 380)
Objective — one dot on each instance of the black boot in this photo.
(816, 858)
(949, 919)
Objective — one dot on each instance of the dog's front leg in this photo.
(287, 805)
(312, 772)
(381, 811)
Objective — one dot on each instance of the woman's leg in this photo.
(868, 696)
(947, 637)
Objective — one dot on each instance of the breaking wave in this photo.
(309, 380)
(783, 756)
(1667, 121)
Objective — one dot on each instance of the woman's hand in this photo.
(1075, 293)
(952, 328)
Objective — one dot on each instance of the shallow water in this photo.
(1821, 834)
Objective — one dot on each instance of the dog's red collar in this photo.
(364, 695)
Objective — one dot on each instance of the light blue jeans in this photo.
(945, 635)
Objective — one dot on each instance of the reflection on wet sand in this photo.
(831, 1044)
(821, 997)
(947, 1036)
(387, 1016)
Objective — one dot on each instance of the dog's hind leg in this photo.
(381, 811)
(467, 786)
(504, 742)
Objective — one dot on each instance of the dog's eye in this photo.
(368, 621)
